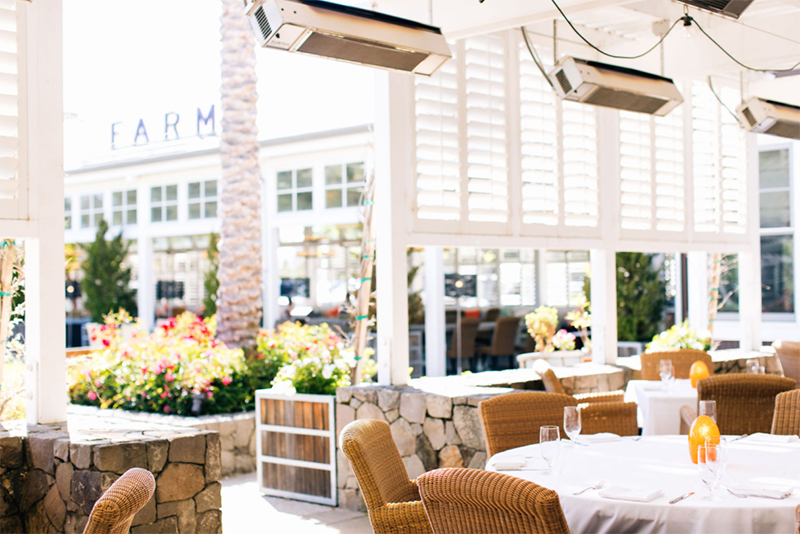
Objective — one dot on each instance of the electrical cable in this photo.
(585, 40)
(535, 57)
(723, 104)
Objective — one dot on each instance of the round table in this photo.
(663, 462)
(659, 410)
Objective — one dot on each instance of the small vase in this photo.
(703, 427)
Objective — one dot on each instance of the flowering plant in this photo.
(541, 325)
(167, 371)
(314, 359)
(581, 319)
(680, 336)
(563, 340)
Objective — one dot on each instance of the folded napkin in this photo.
(510, 463)
(760, 437)
(602, 437)
(652, 385)
(752, 489)
(630, 494)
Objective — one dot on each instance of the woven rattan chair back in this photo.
(786, 420)
(616, 417)
(469, 331)
(504, 338)
(383, 478)
(472, 501)
(551, 382)
(513, 420)
(745, 402)
(682, 360)
(789, 354)
(114, 510)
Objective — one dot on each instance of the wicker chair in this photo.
(789, 354)
(745, 402)
(469, 331)
(682, 360)
(513, 420)
(392, 499)
(114, 510)
(503, 340)
(787, 413)
(472, 501)
(553, 385)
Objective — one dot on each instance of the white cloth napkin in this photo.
(602, 437)
(758, 490)
(624, 493)
(760, 437)
(510, 463)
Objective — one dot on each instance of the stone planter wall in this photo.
(237, 432)
(50, 480)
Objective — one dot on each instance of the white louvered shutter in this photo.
(539, 157)
(487, 158)
(13, 184)
(579, 164)
(438, 179)
(669, 172)
(720, 177)
(636, 177)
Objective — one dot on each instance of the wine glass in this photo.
(572, 422)
(712, 458)
(549, 445)
(667, 373)
(751, 365)
(709, 408)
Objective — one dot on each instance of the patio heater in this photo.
(457, 286)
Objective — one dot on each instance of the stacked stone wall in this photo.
(50, 483)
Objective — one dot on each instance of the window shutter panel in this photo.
(13, 184)
(579, 160)
(636, 177)
(669, 172)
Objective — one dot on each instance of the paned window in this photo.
(203, 200)
(777, 240)
(67, 213)
(566, 274)
(123, 207)
(344, 185)
(775, 188)
(164, 203)
(294, 190)
(91, 210)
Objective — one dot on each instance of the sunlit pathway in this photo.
(245, 511)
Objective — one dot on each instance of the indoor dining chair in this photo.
(503, 344)
(392, 499)
(469, 331)
(786, 420)
(789, 355)
(473, 501)
(114, 510)
(682, 360)
(553, 385)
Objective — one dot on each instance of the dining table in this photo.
(659, 404)
(762, 469)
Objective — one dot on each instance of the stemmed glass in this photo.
(549, 445)
(667, 373)
(572, 422)
(712, 458)
(709, 408)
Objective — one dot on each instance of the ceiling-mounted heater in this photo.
(770, 117)
(346, 33)
(601, 84)
(729, 8)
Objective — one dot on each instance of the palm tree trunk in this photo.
(239, 295)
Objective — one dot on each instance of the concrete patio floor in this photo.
(244, 510)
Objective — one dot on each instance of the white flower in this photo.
(327, 371)
(283, 387)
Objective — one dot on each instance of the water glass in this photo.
(667, 372)
(709, 408)
(712, 459)
(751, 364)
(549, 445)
(572, 422)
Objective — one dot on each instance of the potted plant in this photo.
(542, 324)
(295, 423)
(680, 336)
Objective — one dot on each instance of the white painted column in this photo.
(42, 149)
(541, 277)
(697, 283)
(394, 164)
(435, 333)
(145, 294)
(678, 288)
(604, 306)
(271, 278)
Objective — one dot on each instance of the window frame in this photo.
(93, 211)
(203, 200)
(294, 190)
(125, 208)
(163, 204)
(344, 186)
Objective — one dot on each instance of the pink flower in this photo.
(144, 370)
(92, 395)
(209, 394)
(106, 343)
(86, 372)
(98, 383)
(170, 377)
(227, 380)
(165, 395)
(166, 409)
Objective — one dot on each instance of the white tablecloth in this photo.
(663, 462)
(659, 410)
